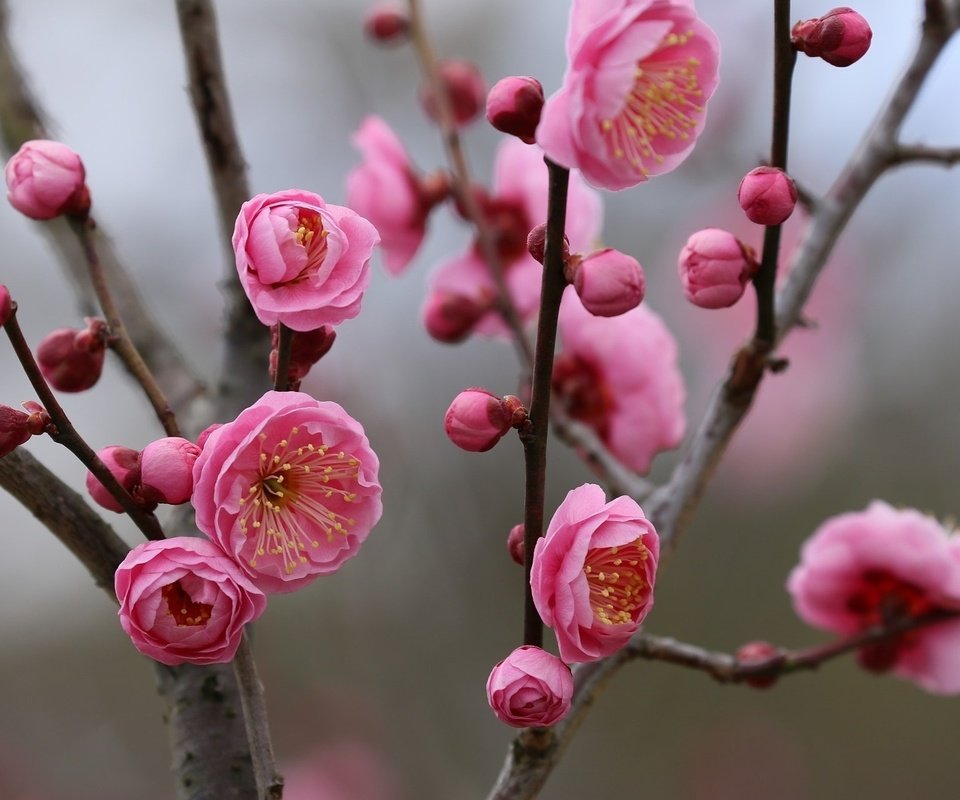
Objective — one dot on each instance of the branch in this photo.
(907, 153)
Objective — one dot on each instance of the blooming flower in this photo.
(289, 489)
(633, 100)
(302, 262)
(619, 375)
(880, 566)
(530, 687)
(593, 573)
(46, 179)
(182, 600)
(518, 203)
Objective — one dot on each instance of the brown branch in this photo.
(269, 782)
(908, 153)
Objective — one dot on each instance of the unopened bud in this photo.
(387, 23)
(6, 304)
(715, 268)
(463, 83)
(72, 360)
(306, 349)
(205, 433)
(124, 463)
(608, 282)
(449, 318)
(166, 470)
(14, 429)
(46, 179)
(477, 420)
(840, 37)
(754, 653)
(514, 105)
(515, 544)
(433, 189)
(537, 244)
(767, 195)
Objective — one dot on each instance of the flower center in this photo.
(312, 237)
(182, 608)
(881, 598)
(663, 101)
(617, 583)
(583, 392)
(291, 502)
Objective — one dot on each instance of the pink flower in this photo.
(767, 195)
(609, 283)
(385, 190)
(593, 573)
(518, 204)
(878, 566)
(302, 262)
(166, 469)
(715, 268)
(514, 105)
(183, 601)
(619, 375)
(71, 360)
(289, 489)
(46, 179)
(530, 687)
(633, 100)
(477, 420)
(124, 464)
(840, 37)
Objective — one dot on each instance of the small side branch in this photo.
(909, 153)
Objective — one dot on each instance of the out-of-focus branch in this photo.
(908, 153)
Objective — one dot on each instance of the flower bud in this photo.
(72, 360)
(15, 429)
(477, 420)
(515, 544)
(462, 82)
(205, 433)
(767, 195)
(46, 179)
(715, 268)
(6, 304)
(387, 23)
(124, 463)
(608, 282)
(166, 470)
(537, 244)
(530, 687)
(306, 349)
(514, 105)
(840, 37)
(450, 318)
(758, 653)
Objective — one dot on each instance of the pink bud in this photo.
(124, 463)
(537, 244)
(515, 544)
(205, 433)
(514, 105)
(14, 429)
(46, 179)
(306, 349)
(72, 360)
(166, 470)
(840, 37)
(450, 318)
(758, 653)
(387, 23)
(530, 687)
(6, 304)
(608, 282)
(37, 417)
(464, 87)
(715, 268)
(767, 195)
(476, 420)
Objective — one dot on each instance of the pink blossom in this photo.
(465, 89)
(124, 464)
(342, 770)
(619, 375)
(385, 190)
(840, 37)
(879, 566)
(166, 469)
(302, 262)
(530, 687)
(593, 573)
(715, 268)
(182, 600)
(633, 100)
(514, 105)
(767, 195)
(46, 179)
(609, 283)
(72, 359)
(476, 420)
(518, 204)
(289, 489)
(387, 23)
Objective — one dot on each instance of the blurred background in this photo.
(375, 675)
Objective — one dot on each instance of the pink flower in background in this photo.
(593, 573)
(46, 179)
(166, 469)
(633, 100)
(530, 687)
(182, 600)
(878, 566)
(302, 262)
(518, 204)
(385, 189)
(344, 770)
(289, 489)
(619, 375)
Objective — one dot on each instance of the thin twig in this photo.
(269, 782)
(907, 153)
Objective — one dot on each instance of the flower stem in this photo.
(281, 382)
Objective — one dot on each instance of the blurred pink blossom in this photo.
(593, 573)
(530, 687)
(633, 100)
(345, 770)
(878, 566)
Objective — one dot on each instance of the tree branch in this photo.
(907, 153)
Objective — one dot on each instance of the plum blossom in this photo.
(303, 262)
(289, 489)
(46, 179)
(530, 687)
(619, 375)
(633, 100)
(182, 600)
(593, 573)
(879, 566)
